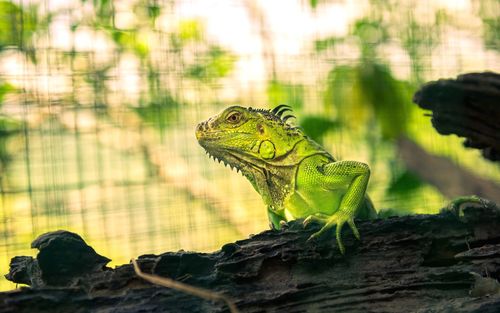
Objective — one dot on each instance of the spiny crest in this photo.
(277, 113)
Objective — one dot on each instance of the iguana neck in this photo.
(277, 179)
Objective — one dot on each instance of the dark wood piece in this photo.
(425, 263)
(469, 107)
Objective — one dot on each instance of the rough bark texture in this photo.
(425, 263)
(468, 106)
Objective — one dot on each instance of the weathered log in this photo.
(63, 258)
(424, 263)
(469, 107)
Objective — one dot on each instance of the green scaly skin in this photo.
(295, 176)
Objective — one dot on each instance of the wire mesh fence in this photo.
(99, 101)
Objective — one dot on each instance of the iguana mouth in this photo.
(238, 163)
(227, 162)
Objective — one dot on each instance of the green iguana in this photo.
(294, 175)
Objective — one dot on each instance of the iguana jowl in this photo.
(294, 175)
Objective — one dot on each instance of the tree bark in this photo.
(423, 263)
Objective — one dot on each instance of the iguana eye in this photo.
(233, 117)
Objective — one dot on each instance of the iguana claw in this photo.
(338, 220)
(314, 218)
(283, 224)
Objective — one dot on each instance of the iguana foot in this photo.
(283, 224)
(338, 219)
(457, 205)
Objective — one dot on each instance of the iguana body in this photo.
(295, 176)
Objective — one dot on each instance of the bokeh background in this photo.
(99, 100)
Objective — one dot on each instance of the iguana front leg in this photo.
(336, 175)
(276, 219)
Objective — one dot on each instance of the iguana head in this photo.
(250, 139)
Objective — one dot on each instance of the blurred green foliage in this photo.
(488, 12)
(13, 24)
(104, 11)
(367, 92)
(5, 88)
(153, 10)
(371, 93)
(212, 65)
(8, 127)
(492, 33)
(370, 33)
(280, 92)
(366, 98)
(159, 112)
(17, 25)
(130, 40)
(389, 98)
(321, 45)
(317, 127)
(417, 39)
(157, 105)
(404, 183)
(190, 31)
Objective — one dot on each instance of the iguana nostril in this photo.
(200, 129)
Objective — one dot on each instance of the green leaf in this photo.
(214, 64)
(389, 98)
(5, 88)
(371, 32)
(404, 183)
(153, 10)
(129, 40)
(191, 30)
(488, 12)
(104, 11)
(279, 92)
(369, 93)
(159, 112)
(317, 126)
(9, 126)
(491, 28)
(324, 44)
(17, 25)
(340, 97)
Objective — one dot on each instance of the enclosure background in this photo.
(99, 101)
